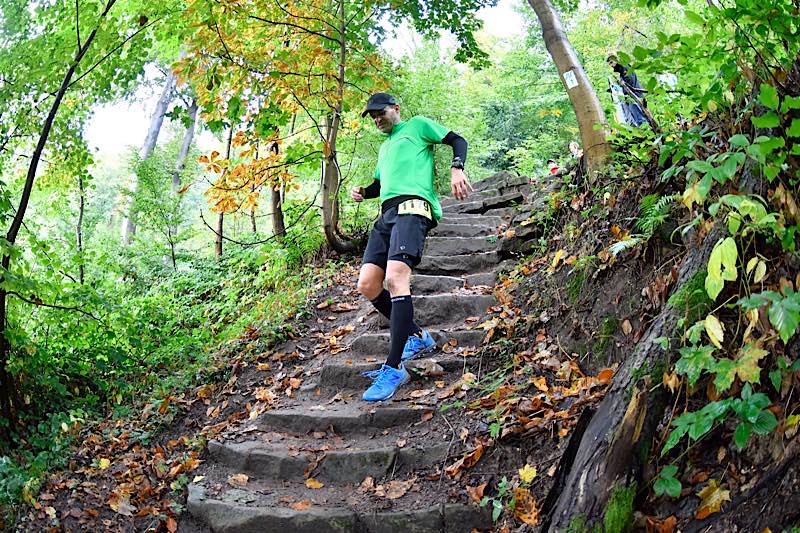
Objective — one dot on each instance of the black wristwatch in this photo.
(457, 163)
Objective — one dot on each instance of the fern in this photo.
(653, 212)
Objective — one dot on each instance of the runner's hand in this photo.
(459, 185)
(357, 194)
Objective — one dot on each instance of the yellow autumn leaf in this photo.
(104, 463)
(557, 258)
(715, 330)
(527, 473)
(711, 499)
(312, 483)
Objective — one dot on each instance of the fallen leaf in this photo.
(469, 460)
(238, 480)
(476, 493)
(540, 382)
(397, 489)
(526, 509)
(312, 483)
(104, 463)
(654, 525)
(121, 503)
(605, 375)
(419, 393)
(367, 485)
(556, 258)
(265, 395)
(527, 473)
(626, 327)
(711, 499)
(302, 505)
(427, 415)
(198, 479)
(172, 525)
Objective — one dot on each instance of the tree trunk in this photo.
(9, 400)
(156, 120)
(278, 225)
(330, 167)
(221, 216)
(613, 447)
(218, 237)
(591, 118)
(79, 229)
(188, 137)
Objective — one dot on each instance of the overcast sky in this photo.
(115, 127)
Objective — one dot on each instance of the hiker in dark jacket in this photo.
(633, 89)
(403, 180)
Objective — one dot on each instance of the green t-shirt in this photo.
(405, 161)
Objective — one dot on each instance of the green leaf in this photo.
(765, 423)
(725, 370)
(640, 53)
(776, 378)
(794, 129)
(721, 266)
(741, 435)
(693, 360)
(666, 482)
(785, 316)
(768, 96)
(767, 120)
(700, 166)
(694, 18)
(739, 140)
(790, 102)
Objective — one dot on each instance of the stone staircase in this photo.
(327, 433)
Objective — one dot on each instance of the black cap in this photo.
(378, 101)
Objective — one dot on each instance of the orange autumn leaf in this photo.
(526, 510)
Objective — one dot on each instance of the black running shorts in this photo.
(397, 238)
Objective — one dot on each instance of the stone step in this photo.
(481, 279)
(436, 309)
(464, 230)
(350, 464)
(487, 193)
(482, 205)
(354, 417)
(253, 511)
(467, 218)
(425, 284)
(458, 264)
(342, 376)
(500, 180)
(377, 344)
(459, 245)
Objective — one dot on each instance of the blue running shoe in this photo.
(417, 345)
(386, 381)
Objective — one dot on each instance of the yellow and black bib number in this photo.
(415, 207)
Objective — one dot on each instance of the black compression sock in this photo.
(383, 303)
(401, 326)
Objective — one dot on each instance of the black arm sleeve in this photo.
(373, 190)
(459, 145)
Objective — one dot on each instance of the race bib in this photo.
(415, 207)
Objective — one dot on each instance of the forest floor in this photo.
(475, 441)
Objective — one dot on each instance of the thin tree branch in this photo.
(52, 306)
(78, 24)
